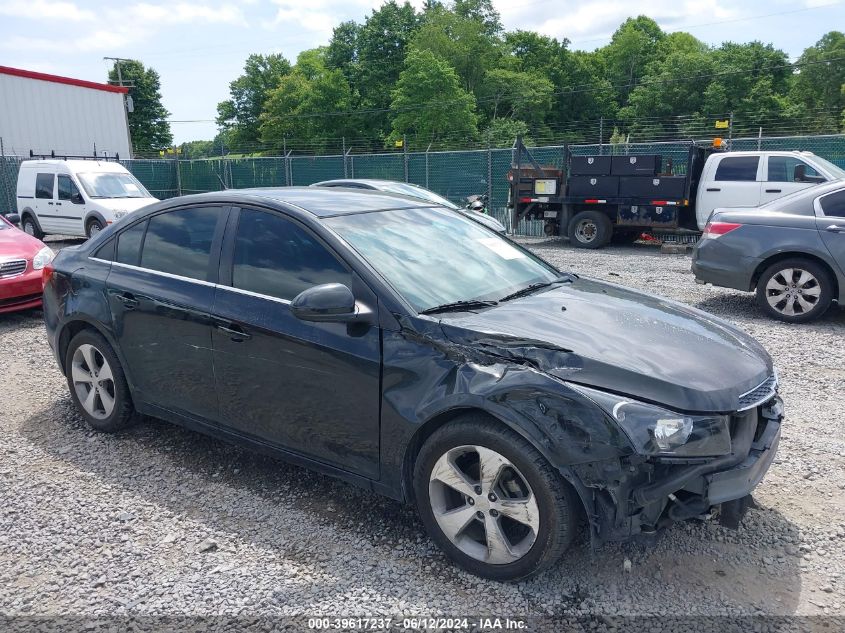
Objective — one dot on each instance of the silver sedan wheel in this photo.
(793, 291)
(484, 505)
(586, 231)
(93, 381)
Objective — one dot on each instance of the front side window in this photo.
(276, 257)
(44, 186)
(833, 204)
(738, 168)
(67, 189)
(112, 184)
(179, 242)
(433, 256)
(789, 169)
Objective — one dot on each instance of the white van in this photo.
(76, 197)
(750, 179)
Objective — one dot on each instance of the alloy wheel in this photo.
(93, 381)
(793, 291)
(483, 504)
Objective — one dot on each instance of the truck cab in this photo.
(751, 179)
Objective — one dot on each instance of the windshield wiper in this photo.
(541, 284)
(460, 305)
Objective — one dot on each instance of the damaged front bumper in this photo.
(645, 495)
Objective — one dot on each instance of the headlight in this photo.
(42, 258)
(120, 214)
(657, 431)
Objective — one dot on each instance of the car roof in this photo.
(75, 166)
(372, 182)
(321, 202)
(802, 194)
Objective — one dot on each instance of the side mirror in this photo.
(14, 218)
(328, 303)
(77, 198)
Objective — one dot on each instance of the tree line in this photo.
(451, 76)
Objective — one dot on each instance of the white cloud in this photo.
(45, 9)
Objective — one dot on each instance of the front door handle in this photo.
(773, 191)
(235, 333)
(836, 228)
(129, 302)
(58, 204)
(50, 203)
(713, 189)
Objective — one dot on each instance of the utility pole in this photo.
(128, 104)
(117, 62)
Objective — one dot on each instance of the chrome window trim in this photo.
(192, 280)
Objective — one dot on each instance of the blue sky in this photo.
(199, 46)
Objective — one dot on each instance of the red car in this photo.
(22, 259)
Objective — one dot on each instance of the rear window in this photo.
(833, 204)
(738, 168)
(129, 244)
(44, 186)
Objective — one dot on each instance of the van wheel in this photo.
(94, 226)
(590, 229)
(30, 227)
(491, 501)
(795, 290)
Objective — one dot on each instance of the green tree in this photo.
(632, 48)
(303, 108)
(239, 115)
(342, 52)
(503, 132)
(148, 125)
(429, 103)
(462, 42)
(481, 11)
(515, 94)
(817, 89)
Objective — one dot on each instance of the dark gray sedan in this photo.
(791, 251)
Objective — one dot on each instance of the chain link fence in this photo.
(453, 174)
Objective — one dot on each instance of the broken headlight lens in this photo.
(657, 431)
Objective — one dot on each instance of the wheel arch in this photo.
(445, 417)
(784, 255)
(73, 327)
(94, 215)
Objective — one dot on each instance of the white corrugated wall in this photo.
(44, 116)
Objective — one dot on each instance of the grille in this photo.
(760, 394)
(13, 267)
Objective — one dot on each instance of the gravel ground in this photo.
(160, 520)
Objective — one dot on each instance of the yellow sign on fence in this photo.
(723, 124)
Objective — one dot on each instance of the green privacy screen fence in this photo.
(455, 174)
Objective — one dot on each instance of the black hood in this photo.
(621, 340)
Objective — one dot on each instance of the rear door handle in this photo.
(129, 302)
(836, 228)
(235, 333)
(773, 191)
(713, 189)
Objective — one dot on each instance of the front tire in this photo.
(491, 501)
(30, 227)
(97, 383)
(93, 227)
(795, 290)
(590, 229)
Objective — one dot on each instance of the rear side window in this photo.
(782, 169)
(179, 242)
(129, 244)
(276, 257)
(738, 168)
(44, 186)
(66, 188)
(833, 204)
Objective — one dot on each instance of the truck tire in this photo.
(590, 229)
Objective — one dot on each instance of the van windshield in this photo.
(112, 185)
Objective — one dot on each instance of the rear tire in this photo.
(590, 229)
(30, 227)
(97, 384)
(93, 227)
(507, 522)
(795, 290)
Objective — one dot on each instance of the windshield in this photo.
(417, 192)
(836, 172)
(434, 257)
(112, 185)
